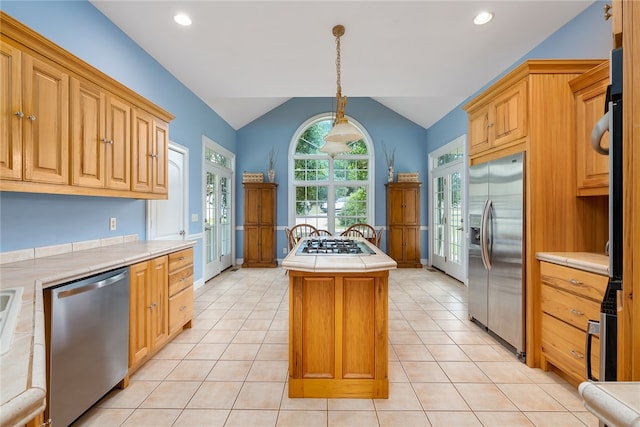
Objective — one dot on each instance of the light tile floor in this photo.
(230, 369)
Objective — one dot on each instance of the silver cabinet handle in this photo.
(575, 282)
(576, 312)
(31, 117)
(153, 156)
(107, 141)
(19, 114)
(183, 308)
(576, 354)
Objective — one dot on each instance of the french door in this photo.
(217, 220)
(447, 231)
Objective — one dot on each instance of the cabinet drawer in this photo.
(588, 285)
(564, 346)
(180, 259)
(180, 309)
(569, 307)
(180, 280)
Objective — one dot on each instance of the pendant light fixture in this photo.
(342, 131)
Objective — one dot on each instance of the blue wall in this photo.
(276, 129)
(31, 220)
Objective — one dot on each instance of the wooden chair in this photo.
(379, 236)
(352, 232)
(301, 231)
(367, 231)
(287, 233)
(322, 233)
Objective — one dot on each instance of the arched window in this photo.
(330, 194)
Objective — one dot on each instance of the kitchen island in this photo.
(338, 322)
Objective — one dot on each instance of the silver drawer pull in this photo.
(576, 312)
(576, 354)
(183, 308)
(575, 282)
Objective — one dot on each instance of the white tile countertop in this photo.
(343, 263)
(22, 367)
(587, 261)
(617, 404)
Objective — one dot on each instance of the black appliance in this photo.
(607, 326)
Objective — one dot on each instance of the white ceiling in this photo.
(420, 58)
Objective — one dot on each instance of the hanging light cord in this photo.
(338, 31)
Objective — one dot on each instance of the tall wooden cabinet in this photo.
(555, 219)
(403, 223)
(259, 224)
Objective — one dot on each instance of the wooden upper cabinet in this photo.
(11, 107)
(590, 96)
(616, 22)
(46, 122)
(101, 138)
(499, 122)
(67, 128)
(149, 160)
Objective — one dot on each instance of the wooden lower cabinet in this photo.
(569, 299)
(160, 305)
(148, 309)
(338, 331)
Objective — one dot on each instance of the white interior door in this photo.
(448, 207)
(167, 219)
(217, 220)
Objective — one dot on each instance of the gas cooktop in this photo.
(333, 246)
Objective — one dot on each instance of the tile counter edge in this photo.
(22, 402)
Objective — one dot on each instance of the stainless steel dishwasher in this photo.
(88, 342)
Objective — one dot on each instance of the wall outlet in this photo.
(112, 224)
(284, 251)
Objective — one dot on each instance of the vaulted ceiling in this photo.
(420, 58)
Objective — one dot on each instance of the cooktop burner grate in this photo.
(333, 246)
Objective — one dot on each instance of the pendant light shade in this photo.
(342, 131)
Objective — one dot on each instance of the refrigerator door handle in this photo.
(484, 235)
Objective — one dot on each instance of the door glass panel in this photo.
(210, 222)
(455, 218)
(438, 215)
(225, 216)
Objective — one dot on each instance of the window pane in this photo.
(350, 207)
(350, 170)
(311, 170)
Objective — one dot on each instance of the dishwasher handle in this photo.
(92, 286)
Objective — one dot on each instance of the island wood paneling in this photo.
(338, 332)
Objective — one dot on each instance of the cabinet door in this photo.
(395, 243)
(395, 209)
(142, 146)
(252, 251)
(139, 343)
(118, 147)
(159, 178)
(267, 244)
(592, 167)
(509, 115)
(11, 108)
(411, 204)
(411, 240)
(159, 299)
(87, 135)
(479, 131)
(46, 122)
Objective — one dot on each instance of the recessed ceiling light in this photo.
(182, 19)
(482, 18)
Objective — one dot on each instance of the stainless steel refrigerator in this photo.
(496, 285)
